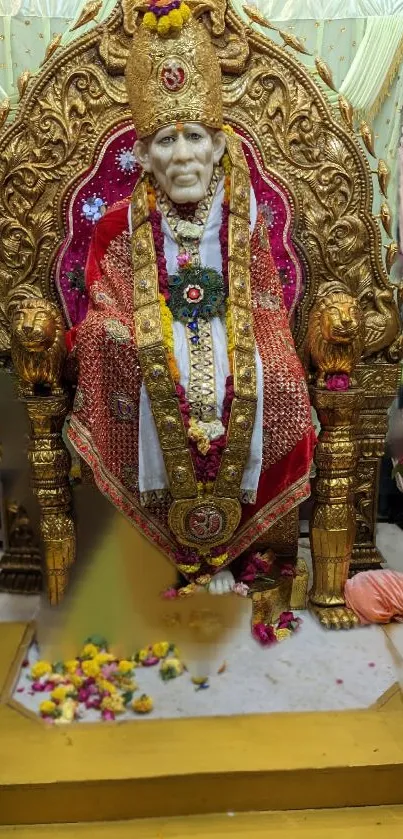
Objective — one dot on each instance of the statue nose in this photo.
(28, 330)
(181, 149)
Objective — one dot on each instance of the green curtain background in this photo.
(361, 40)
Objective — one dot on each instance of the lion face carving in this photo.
(335, 335)
(34, 328)
(341, 320)
(37, 344)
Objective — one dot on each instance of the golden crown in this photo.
(173, 73)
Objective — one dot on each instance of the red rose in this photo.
(338, 381)
(264, 633)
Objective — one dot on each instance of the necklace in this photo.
(201, 522)
(188, 233)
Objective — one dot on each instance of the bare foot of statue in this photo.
(334, 617)
(222, 583)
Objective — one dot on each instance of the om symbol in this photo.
(205, 522)
(173, 75)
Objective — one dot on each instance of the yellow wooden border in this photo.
(166, 768)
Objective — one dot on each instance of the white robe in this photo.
(152, 472)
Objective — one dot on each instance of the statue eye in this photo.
(166, 141)
(194, 137)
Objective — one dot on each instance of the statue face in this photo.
(181, 157)
(34, 328)
(341, 321)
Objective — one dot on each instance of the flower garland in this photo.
(206, 454)
(166, 16)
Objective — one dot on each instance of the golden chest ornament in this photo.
(207, 521)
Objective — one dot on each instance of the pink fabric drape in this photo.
(376, 596)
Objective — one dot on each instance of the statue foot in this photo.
(222, 583)
(334, 617)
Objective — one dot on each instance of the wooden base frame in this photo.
(170, 768)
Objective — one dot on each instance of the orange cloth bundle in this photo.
(376, 596)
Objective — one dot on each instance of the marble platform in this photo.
(315, 670)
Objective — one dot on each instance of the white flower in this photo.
(241, 589)
(213, 429)
(126, 160)
(93, 208)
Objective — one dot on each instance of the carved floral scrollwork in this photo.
(63, 118)
(321, 164)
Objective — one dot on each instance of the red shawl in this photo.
(104, 423)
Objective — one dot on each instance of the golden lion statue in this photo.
(37, 345)
(335, 336)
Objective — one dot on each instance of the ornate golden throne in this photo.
(68, 154)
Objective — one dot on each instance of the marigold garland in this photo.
(205, 453)
(164, 17)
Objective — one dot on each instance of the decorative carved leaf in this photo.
(88, 13)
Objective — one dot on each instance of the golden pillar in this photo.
(333, 522)
(38, 353)
(50, 465)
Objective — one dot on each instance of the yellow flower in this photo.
(55, 678)
(143, 705)
(47, 708)
(217, 561)
(91, 668)
(188, 569)
(105, 686)
(282, 634)
(171, 668)
(76, 680)
(185, 12)
(89, 651)
(228, 129)
(104, 658)
(185, 591)
(175, 19)
(160, 650)
(125, 667)
(204, 580)
(113, 703)
(60, 693)
(127, 685)
(68, 710)
(163, 25)
(167, 324)
(40, 668)
(71, 665)
(168, 335)
(200, 438)
(143, 654)
(226, 163)
(150, 21)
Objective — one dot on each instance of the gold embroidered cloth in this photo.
(105, 419)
